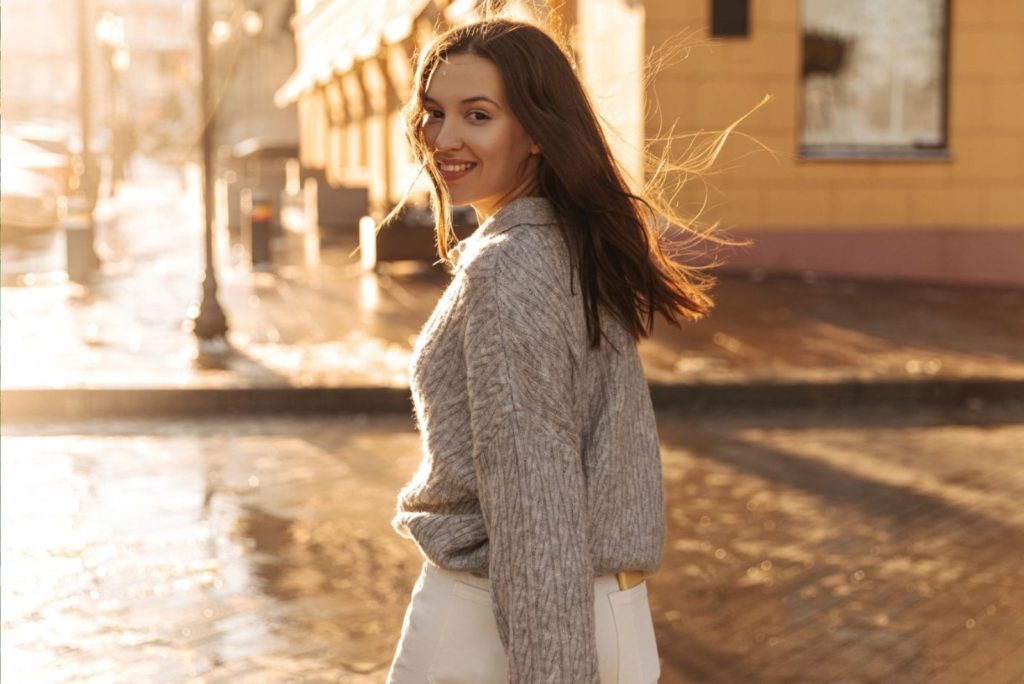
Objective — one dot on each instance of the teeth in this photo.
(454, 168)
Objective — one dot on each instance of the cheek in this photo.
(521, 144)
(429, 134)
(497, 147)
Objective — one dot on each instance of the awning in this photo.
(337, 34)
(265, 147)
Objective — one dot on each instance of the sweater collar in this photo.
(520, 211)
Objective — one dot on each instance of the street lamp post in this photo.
(80, 229)
(117, 56)
(210, 325)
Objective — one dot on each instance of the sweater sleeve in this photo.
(529, 469)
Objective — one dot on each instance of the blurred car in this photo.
(18, 153)
(59, 137)
(52, 136)
(29, 202)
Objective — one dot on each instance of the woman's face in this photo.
(480, 148)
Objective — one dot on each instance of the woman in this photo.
(538, 504)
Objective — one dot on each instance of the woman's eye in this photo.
(434, 114)
(478, 116)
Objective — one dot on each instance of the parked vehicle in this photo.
(59, 137)
(29, 202)
(19, 153)
(52, 136)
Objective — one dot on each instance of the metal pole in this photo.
(85, 252)
(115, 144)
(210, 324)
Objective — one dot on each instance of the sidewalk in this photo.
(848, 547)
(324, 336)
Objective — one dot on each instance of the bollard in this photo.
(368, 243)
(257, 214)
(78, 240)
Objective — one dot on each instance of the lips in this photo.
(455, 168)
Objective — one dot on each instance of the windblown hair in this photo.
(613, 234)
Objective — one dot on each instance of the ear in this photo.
(534, 148)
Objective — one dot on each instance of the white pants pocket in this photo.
(634, 630)
(469, 649)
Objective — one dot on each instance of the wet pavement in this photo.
(867, 547)
(828, 545)
(315, 319)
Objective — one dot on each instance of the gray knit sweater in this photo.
(541, 466)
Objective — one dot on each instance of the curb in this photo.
(78, 403)
(844, 394)
(82, 403)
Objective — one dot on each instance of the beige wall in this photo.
(816, 211)
(980, 186)
(611, 56)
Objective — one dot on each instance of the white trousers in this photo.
(450, 636)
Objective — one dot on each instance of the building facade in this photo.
(141, 53)
(39, 74)
(253, 54)
(896, 131)
(156, 77)
(892, 146)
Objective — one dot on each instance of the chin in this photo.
(461, 200)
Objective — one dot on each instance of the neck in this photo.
(486, 209)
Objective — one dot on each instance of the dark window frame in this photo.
(860, 153)
(730, 18)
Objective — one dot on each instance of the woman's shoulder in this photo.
(522, 242)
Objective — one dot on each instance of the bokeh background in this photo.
(205, 339)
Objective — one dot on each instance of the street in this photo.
(867, 547)
(225, 229)
(841, 544)
(327, 323)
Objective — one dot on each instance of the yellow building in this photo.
(896, 129)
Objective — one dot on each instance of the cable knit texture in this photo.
(541, 466)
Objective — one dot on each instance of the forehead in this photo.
(464, 76)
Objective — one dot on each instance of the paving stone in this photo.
(259, 549)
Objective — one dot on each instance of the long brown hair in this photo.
(614, 235)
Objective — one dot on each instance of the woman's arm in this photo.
(527, 453)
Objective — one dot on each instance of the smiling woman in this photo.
(482, 152)
(538, 505)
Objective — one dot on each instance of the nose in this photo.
(448, 137)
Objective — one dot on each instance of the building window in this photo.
(730, 18)
(874, 78)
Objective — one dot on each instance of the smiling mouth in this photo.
(455, 168)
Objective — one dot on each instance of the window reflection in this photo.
(874, 77)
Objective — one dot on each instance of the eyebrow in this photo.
(468, 100)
